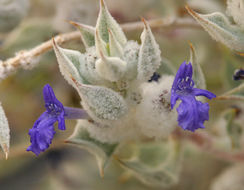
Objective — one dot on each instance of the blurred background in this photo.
(27, 23)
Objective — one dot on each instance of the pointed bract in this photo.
(105, 21)
(220, 29)
(131, 56)
(101, 46)
(198, 76)
(87, 33)
(115, 48)
(149, 55)
(69, 63)
(102, 151)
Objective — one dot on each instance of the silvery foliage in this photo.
(11, 13)
(222, 28)
(111, 78)
(4, 132)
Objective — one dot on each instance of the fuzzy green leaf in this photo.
(102, 151)
(220, 29)
(87, 34)
(198, 75)
(115, 48)
(149, 55)
(101, 102)
(101, 46)
(69, 63)
(105, 22)
(155, 164)
(131, 56)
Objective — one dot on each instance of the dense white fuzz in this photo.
(154, 115)
(105, 21)
(130, 56)
(88, 68)
(102, 103)
(5, 70)
(221, 29)
(120, 130)
(110, 68)
(149, 55)
(235, 8)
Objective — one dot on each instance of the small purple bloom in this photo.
(191, 112)
(42, 133)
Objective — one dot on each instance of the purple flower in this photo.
(191, 112)
(42, 133)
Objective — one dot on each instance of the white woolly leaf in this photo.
(69, 63)
(105, 21)
(235, 8)
(155, 164)
(87, 34)
(149, 55)
(102, 151)
(115, 49)
(198, 75)
(111, 68)
(102, 103)
(220, 29)
(130, 56)
(4, 132)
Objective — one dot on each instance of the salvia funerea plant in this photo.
(135, 106)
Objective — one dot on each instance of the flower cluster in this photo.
(122, 90)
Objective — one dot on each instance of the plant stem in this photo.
(27, 59)
(205, 143)
(230, 97)
(235, 90)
